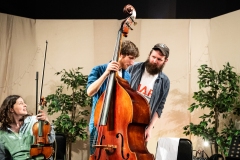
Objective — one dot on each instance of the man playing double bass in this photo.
(97, 80)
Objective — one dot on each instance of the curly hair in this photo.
(6, 117)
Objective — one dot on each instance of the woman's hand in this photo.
(42, 116)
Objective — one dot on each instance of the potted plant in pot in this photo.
(71, 106)
(219, 92)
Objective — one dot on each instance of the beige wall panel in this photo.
(225, 40)
(17, 58)
(105, 35)
(199, 34)
(70, 42)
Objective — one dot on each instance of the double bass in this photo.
(121, 115)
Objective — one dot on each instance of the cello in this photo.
(121, 114)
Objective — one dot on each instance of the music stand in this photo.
(234, 150)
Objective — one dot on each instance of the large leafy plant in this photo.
(219, 92)
(70, 101)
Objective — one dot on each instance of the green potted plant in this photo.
(219, 92)
(71, 104)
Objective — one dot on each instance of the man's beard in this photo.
(153, 68)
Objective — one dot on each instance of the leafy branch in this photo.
(219, 92)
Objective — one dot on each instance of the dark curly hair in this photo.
(6, 117)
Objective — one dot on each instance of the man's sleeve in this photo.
(165, 94)
(93, 76)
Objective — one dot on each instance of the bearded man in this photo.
(148, 79)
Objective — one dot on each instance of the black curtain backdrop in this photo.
(151, 9)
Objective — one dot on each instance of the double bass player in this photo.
(97, 80)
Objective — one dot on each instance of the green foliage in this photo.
(219, 92)
(71, 107)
